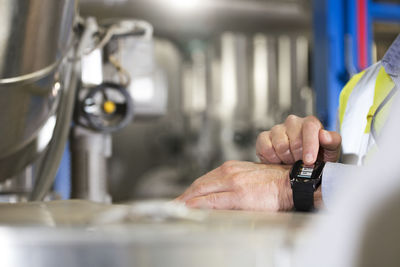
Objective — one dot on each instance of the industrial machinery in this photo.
(234, 68)
(37, 87)
(110, 94)
(63, 77)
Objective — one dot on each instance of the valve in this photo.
(107, 107)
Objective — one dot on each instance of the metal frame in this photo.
(343, 40)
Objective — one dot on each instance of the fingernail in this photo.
(308, 158)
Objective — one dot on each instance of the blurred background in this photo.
(233, 68)
(113, 101)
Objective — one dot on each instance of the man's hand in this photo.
(242, 186)
(298, 138)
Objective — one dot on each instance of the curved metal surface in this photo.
(33, 34)
(28, 106)
(34, 37)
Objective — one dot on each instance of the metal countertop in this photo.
(155, 233)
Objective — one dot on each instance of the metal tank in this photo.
(35, 38)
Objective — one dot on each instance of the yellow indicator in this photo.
(109, 107)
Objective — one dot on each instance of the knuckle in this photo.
(272, 158)
(265, 150)
(196, 183)
(269, 151)
(270, 154)
(236, 180)
(229, 167)
(262, 140)
(281, 147)
(312, 120)
(263, 135)
(291, 119)
(200, 188)
(276, 129)
(296, 144)
(311, 126)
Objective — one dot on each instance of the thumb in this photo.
(330, 143)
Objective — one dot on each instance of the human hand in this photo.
(242, 186)
(298, 138)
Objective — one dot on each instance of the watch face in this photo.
(305, 171)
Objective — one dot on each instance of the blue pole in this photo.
(62, 183)
(329, 74)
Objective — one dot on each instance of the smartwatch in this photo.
(304, 181)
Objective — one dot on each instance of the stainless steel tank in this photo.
(35, 37)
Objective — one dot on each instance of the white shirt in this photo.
(332, 177)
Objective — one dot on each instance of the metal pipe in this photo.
(209, 17)
(90, 152)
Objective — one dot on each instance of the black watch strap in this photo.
(303, 196)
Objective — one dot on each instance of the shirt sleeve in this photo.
(332, 180)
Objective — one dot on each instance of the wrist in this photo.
(306, 186)
(287, 193)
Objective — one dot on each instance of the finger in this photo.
(209, 182)
(330, 140)
(310, 134)
(184, 196)
(293, 130)
(330, 143)
(280, 142)
(219, 201)
(206, 188)
(218, 175)
(214, 174)
(265, 151)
